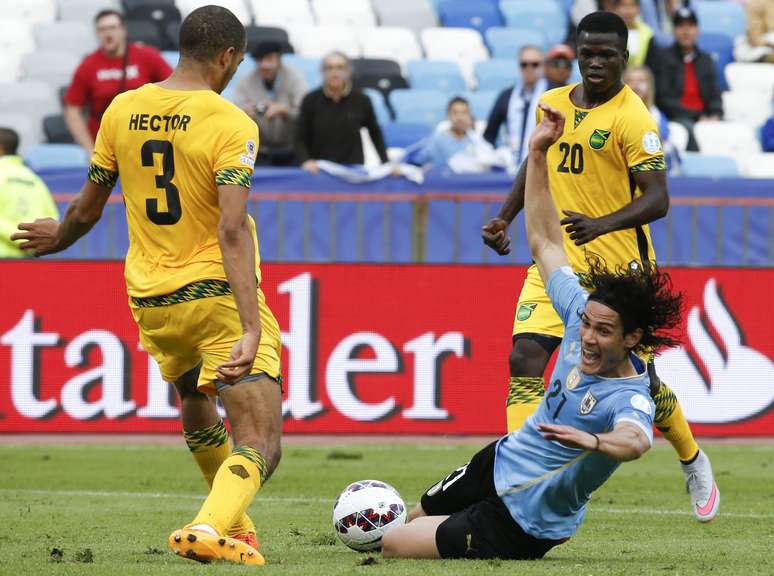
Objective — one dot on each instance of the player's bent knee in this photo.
(527, 358)
(416, 512)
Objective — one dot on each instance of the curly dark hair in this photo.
(643, 296)
(209, 30)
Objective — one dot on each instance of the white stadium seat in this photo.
(678, 136)
(751, 77)
(30, 10)
(321, 40)
(748, 107)
(759, 165)
(463, 45)
(344, 12)
(726, 138)
(53, 68)
(414, 14)
(85, 10)
(285, 14)
(15, 40)
(70, 37)
(238, 7)
(399, 44)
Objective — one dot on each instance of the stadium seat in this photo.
(481, 103)
(708, 166)
(496, 75)
(145, 32)
(383, 115)
(15, 40)
(85, 10)
(130, 5)
(759, 165)
(56, 131)
(172, 57)
(547, 16)
(441, 75)
(56, 156)
(463, 45)
(726, 138)
(162, 15)
(71, 37)
(678, 136)
(355, 13)
(380, 74)
(395, 43)
(506, 42)
(465, 14)
(403, 135)
(757, 77)
(748, 107)
(238, 7)
(319, 41)
(721, 48)
(29, 130)
(419, 106)
(309, 67)
(286, 14)
(31, 11)
(258, 34)
(414, 14)
(721, 17)
(54, 68)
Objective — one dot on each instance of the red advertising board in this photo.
(367, 349)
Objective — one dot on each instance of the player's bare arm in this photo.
(651, 205)
(236, 245)
(47, 236)
(544, 234)
(495, 232)
(624, 443)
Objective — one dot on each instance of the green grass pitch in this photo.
(108, 509)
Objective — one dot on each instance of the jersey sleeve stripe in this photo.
(102, 176)
(648, 432)
(651, 165)
(234, 177)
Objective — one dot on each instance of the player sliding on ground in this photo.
(526, 493)
(608, 178)
(185, 157)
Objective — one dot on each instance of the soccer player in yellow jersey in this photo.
(185, 158)
(607, 175)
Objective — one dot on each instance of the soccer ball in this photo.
(364, 511)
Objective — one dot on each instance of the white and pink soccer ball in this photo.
(365, 511)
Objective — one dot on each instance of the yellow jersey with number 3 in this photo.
(591, 169)
(171, 149)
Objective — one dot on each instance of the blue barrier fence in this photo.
(305, 218)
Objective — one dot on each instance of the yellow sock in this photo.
(671, 422)
(234, 487)
(210, 448)
(524, 395)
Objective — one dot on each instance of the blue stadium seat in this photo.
(505, 43)
(496, 74)
(481, 103)
(171, 57)
(309, 67)
(380, 106)
(727, 18)
(419, 106)
(708, 165)
(721, 47)
(442, 75)
(56, 156)
(478, 15)
(404, 134)
(548, 16)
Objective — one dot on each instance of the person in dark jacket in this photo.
(329, 123)
(687, 88)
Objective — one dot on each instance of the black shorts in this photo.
(479, 524)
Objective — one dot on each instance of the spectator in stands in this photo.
(758, 46)
(271, 95)
(642, 44)
(559, 62)
(515, 107)
(23, 196)
(458, 139)
(687, 88)
(116, 66)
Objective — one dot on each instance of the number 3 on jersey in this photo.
(572, 155)
(163, 181)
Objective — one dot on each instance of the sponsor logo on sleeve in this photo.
(639, 402)
(651, 143)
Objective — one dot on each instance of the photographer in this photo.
(271, 95)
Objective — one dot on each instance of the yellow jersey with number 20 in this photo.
(591, 167)
(171, 149)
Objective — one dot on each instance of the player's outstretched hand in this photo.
(495, 235)
(242, 358)
(568, 435)
(549, 130)
(40, 237)
(580, 227)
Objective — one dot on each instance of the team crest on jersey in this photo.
(573, 378)
(251, 148)
(587, 404)
(525, 311)
(599, 138)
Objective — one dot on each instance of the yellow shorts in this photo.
(534, 312)
(183, 335)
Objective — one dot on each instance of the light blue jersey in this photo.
(544, 484)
